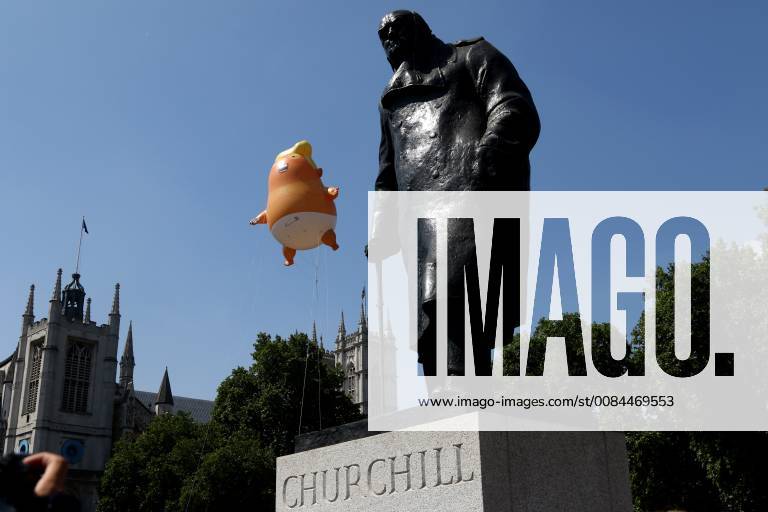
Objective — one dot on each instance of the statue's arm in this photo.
(513, 122)
(386, 179)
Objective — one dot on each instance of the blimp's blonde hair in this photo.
(301, 148)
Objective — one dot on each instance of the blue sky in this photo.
(158, 121)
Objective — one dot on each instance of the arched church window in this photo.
(36, 358)
(77, 377)
(351, 379)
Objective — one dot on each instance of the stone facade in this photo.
(351, 354)
(59, 389)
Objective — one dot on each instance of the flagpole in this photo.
(79, 245)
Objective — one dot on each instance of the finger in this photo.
(54, 474)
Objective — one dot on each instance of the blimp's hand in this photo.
(333, 192)
(260, 218)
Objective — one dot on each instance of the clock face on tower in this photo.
(73, 450)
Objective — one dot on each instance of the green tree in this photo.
(665, 317)
(569, 327)
(696, 471)
(146, 472)
(693, 471)
(266, 399)
(665, 474)
(511, 356)
(237, 474)
(229, 464)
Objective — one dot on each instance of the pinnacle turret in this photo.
(56, 296)
(164, 400)
(116, 301)
(127, 361)
(28, 318)
(114, 314)
(342, 329)
(54, 310)
(363, 322)
(30, 310)
(87, 319)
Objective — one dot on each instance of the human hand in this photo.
(54, 469)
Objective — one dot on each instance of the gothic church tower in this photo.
(352, 356)
(58, 387)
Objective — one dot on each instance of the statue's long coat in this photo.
(435, 123)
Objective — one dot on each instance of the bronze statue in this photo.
(453, 117)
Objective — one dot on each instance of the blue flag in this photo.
(85, 228)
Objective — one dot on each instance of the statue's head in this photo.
(403, 34)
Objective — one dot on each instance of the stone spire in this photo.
(362, 324)
(114, 314)
(164, 400)
(56, 296)
(314, 333)
(28, 317)
(116, 301)
(127, 362)
(54, 311)
(87, 319)
(342, 329)
(29, 312)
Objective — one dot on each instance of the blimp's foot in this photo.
(288, 253)
(329, 239)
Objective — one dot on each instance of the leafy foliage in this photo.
(146, 472)
(692, 471)
(238, 474)
(570, 329)
(697, 471)
(665, 474)
(266, 399)
(229, 464)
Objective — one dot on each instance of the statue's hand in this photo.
(482, 168)
(487, 158)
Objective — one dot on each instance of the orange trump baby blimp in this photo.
(300, 213)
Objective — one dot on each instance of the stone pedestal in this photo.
(460, 471)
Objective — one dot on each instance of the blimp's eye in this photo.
(282, 166)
